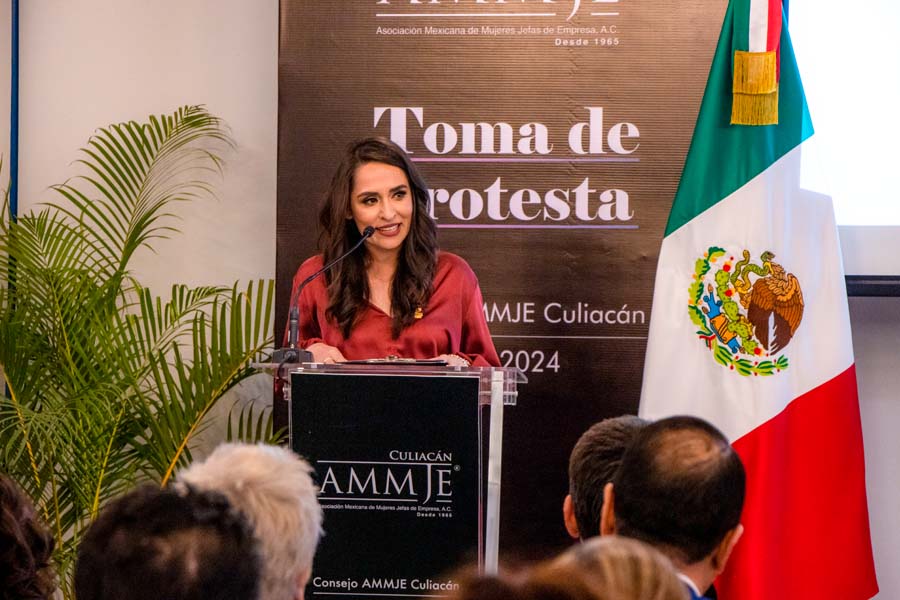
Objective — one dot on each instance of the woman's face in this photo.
(381, 197)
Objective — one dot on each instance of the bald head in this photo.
(680, 488)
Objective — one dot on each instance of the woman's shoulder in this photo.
(454, 266)
(448, 260)
(309, 266)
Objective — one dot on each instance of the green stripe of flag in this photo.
(724, 157)
(740, 27)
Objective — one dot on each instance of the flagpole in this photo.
(14, 114)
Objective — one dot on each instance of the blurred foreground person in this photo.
(607, 568)
(167, 544)
(25, 547)
(272, 486)
(621, 568)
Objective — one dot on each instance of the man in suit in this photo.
(594, 460)
(681, 489)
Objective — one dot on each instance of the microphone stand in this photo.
(293, 354)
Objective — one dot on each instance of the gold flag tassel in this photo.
(755, 89)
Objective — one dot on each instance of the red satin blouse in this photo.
(452, 322)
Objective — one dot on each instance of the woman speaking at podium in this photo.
(397, 295)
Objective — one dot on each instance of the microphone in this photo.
(294, 326)
(292, 353)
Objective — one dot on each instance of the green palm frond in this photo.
(138, 171)
(253, 425)
(224, 341)
(106, 382)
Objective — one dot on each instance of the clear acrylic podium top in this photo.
(511, 376)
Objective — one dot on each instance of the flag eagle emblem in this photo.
(746, 312)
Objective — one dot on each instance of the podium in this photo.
(408, 462)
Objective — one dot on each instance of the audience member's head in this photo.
(273, 487)
(472, 585)
(164, 543)
(621, 568)
(608, 568)
(680, 488)
(592, 464)
(25, 547)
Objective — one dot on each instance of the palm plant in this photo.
(106, 384)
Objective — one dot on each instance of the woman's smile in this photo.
(381, 198)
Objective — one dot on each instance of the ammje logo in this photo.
(487, 4)
(420, 482)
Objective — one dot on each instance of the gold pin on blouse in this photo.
(418, 314)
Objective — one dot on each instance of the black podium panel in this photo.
(397, 464)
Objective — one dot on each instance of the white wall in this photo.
(5, 8)
(850, 76)
(90, 63)
(876, 345)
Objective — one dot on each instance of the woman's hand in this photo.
(323, 353)
(454, 360)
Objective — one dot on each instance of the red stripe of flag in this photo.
(806, 517)
(773, 34)
(773, 31)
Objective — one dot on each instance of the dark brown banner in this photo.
(552, 135)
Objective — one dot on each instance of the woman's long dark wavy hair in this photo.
(25, 547)
(347, 283)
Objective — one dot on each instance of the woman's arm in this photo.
(476, 345)
(308, 302)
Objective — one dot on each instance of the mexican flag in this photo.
(750, 328)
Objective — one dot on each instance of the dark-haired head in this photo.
(680, 488)
(593, 463)
(25, 547)
(347, 283)
(190, 545)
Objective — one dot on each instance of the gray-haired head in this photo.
(272, 486)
